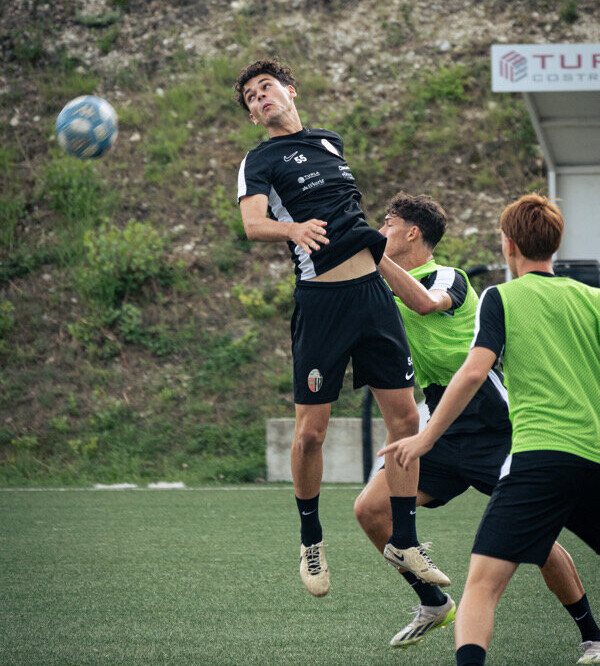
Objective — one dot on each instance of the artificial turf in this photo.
(210, 576)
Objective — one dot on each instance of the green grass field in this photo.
(210, 576)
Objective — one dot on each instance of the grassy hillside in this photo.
(141, 334)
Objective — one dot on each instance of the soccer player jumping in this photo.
(343, 308)
(547, 329)
(438, 307)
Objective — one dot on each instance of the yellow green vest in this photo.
(439, 343)
(552, 364)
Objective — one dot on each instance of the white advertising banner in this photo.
(545, 67)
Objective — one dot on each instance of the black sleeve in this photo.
(254, 176)
(490, 330)
(452, 282)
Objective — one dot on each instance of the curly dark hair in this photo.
(424, 212)
(273, 67)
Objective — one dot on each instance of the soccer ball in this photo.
(87, 127)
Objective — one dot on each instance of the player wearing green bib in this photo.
(438, 307)
(547, 330)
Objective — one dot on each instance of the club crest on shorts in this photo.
(315, 380)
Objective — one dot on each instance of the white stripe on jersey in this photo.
(444, 279)
(242, 189)
(491, 374)
(499, 386)
(478, 317)
(505, 469)
(305, 265)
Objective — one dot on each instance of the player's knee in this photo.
(488, 586)
(404, 424)
(361, 510)
(309, 438)
(367, 514)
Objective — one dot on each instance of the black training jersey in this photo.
(490, 329)
(306, 176)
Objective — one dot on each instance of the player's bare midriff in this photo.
(359, 264)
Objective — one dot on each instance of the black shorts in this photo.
(460, 460)
(539, 493)
(336, 321)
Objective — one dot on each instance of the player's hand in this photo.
(309, 235)
(408, 449)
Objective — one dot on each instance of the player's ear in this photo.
(253, 119)
(292, 91)
(511, 247)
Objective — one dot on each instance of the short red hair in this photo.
(535, 224)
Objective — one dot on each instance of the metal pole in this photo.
(367, 433)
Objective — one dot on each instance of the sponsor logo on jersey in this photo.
(315, 380)
(347, 175)
(313, 183)
(308, 176)
(287, 158)
(344, 168)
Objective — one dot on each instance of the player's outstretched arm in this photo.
(461, 389)
(308, 235)
(410, 291)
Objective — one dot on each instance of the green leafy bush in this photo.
(119, 261)
(265, 303)
(84, 447)
(254, 302)
(26, 443)
(447, 83)
(284, 295)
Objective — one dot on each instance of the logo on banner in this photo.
(513, 66)
(315, 380)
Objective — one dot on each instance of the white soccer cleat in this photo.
(427, 619)
(313, 569)
(591, 652)
(416, 561)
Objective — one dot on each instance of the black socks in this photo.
(430, 595)
(310, 527)
(404, 533)
(470, 655)
(580, 611)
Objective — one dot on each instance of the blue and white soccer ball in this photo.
(87, 127)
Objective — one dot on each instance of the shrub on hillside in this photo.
(119, 261)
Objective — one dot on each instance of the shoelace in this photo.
(313, 560)
(418, 611)
(422, 548)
